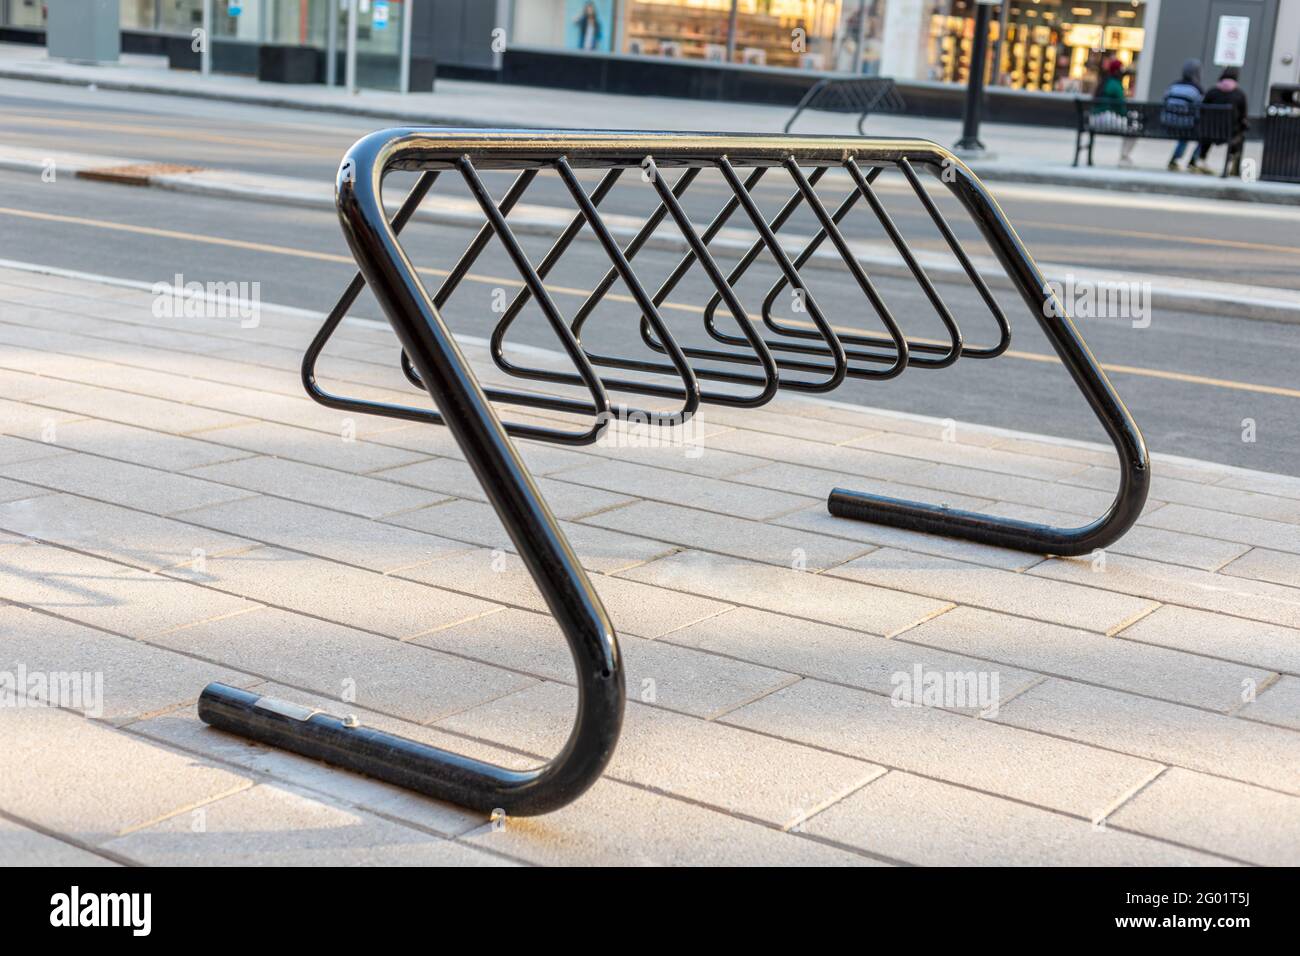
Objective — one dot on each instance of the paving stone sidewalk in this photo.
(173, 510)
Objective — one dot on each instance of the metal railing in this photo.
(751, 367)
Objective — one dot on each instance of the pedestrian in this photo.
(1228, 91)
(590, 31)
(1108, 111)
(1181, 105)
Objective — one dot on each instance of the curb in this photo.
(1118, 180)
(1110, 180)
(1164, 292)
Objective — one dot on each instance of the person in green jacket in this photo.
(1108, 107)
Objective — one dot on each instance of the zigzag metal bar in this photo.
(855, 269)
(588, 214)
(600, 405)
(465, 408)
(768, 236)
(863, 189)
(700, 250)
(741, 198)
(457, 273)
(977, 280)
(751, 255)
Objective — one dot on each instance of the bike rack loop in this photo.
(465, 408)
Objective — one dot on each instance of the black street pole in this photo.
(970, 122)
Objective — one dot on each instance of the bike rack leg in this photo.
(540, 542)
(1091, 380)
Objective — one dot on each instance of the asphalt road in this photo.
(1164, 235)
(1190, 380)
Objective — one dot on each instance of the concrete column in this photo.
(1142, 82)
(1286, 44)
(902, 52)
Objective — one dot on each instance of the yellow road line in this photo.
(1170, 376)
(1136, 234)
(260, 145)
(21, 113)
(1183, 377)
(704, 186)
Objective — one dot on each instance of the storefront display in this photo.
(1039, 44)
(790, 33)
(1035, 45)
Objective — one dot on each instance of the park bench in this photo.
(853, 94)
(744, 368)
(1211, 122)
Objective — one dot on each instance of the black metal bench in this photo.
(743, 369)
(1093, 118)
(853, 94)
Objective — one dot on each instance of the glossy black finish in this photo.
(434, 362)
(541, 544)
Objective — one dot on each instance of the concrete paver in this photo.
(173, 511)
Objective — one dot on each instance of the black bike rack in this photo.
(760, 359)
(863, 95)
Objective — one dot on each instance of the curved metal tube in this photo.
(540, 542)
(1088, 376)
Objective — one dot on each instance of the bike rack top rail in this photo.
(766, 356)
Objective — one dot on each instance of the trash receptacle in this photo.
(87, 30)
(1281, 161)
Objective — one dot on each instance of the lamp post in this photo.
(205, 52)
(970, 144)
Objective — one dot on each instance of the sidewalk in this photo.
(174, 511)
(1021, 153)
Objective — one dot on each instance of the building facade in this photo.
(1036, 46)
(1046, 46)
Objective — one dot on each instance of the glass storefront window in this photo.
(139, 14)
(871, 31)
(180, 16)
(24, 13)
(791, 33)
(299, 22)
(806, 34)
(1048, 44)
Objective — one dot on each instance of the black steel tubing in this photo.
(541, 544)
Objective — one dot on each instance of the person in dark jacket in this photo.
(1227, 91)
(1182, 103)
